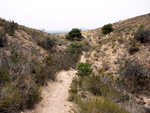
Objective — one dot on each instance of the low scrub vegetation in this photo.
(70, 57)
(24, 69)
(143, 34)
(133, 48)
(84, 69)
(104, 95)
(9, 26)
(106, 29)
(74, 34)
(74, 48)
(134, 76)
(97, 105)
(17, 90)
(47, 43)
(99, 93)
(3, 39)
(120, 40)
(20, 79)
(64, 60)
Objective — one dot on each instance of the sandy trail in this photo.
(55, 94)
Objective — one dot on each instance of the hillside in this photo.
(120, 54)
(114, 46)
(117, 66)
(29, 58)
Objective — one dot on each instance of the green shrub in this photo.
(17, 92)
(69, 58)
(44, 71)
(42, 77)
(113, 45)
(10, 27)
(2, 22)
(14, 56)
(13, 98)
(10, 98)
(120, 40)
(4, 75)
(105, 49)
(132, 42)
(99, 86)
(133, 49)
(47, 43)
(73, 90)
(143, 35)
(18, 86)
(33, 97)
(3, 40)
(66, 59)
(130, 69)
(74, 47)
(106, 29)
(84, 69)
(97, 105)
(133, 75)
(74, 34)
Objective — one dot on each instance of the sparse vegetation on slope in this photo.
(9, 27)
(29, 58)
(97, 105)
(103, 96)
(126, 48)
(3, 40)
(143, 34)
(47, 42)
(134, 76)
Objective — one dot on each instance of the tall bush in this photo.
(74, 34)
(106, 29)
(3, 40)
(47, 43)
(143, 35)
(133, 76)
(10, 27)
(84, 69)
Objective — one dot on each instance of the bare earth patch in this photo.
(55, 95)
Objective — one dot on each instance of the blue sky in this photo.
(67, 14)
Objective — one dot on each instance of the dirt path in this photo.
(55, 94)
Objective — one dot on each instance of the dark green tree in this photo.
(74, 34)
(106, 29)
